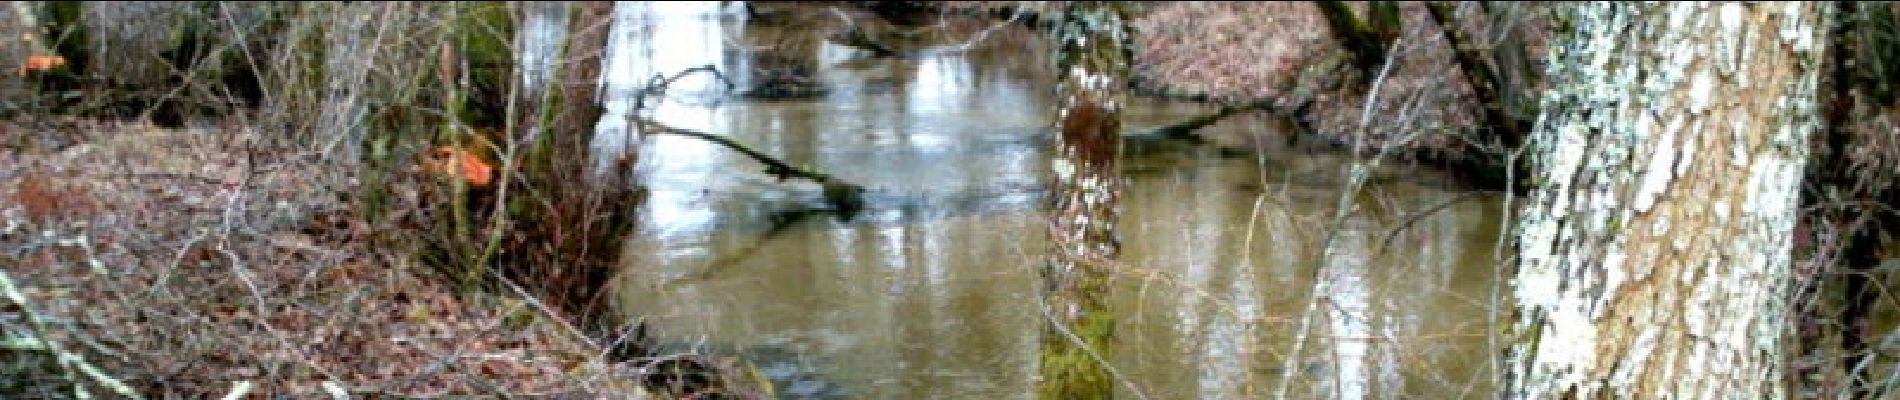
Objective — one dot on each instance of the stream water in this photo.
(930, 292)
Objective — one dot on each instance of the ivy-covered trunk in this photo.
(1654, 254)
(1092, 59)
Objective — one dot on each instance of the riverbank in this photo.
(203, 262)
(1424, 111)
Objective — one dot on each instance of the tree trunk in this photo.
(1654, 257)
(608, 195)
(1517, 75)
(1485, 83)
(1092, 59)
(578, 80)
(1368, 40)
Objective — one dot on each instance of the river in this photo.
(929, 293)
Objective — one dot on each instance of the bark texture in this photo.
(1654, 255)
(1092, 59)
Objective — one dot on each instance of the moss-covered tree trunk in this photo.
(587, 210)
(1517, 75)
(67, 36)
(578, 79)
(1655, 255)
(1369, 39)
(1092, 60)
(1485, 82)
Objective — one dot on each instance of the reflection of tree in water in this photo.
(779, 59)
(780, 76)
(782, 61)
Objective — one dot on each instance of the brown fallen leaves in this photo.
(191, 270)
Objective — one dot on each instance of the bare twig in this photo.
(659, 84)
(552, 316)
(1413, 218)
(71, 363)
(985, 33)
(1356, 179)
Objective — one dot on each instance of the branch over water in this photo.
(846, 197)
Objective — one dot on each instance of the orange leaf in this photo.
(461, 164)
(42, 63)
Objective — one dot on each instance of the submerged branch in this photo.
(1413, 218)
(774, 167)
(855, 37)
(845, 196)
(1185, 130)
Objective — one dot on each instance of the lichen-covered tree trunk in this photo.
(1654, 255)
(1093, 62)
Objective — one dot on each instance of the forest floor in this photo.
(197, 263)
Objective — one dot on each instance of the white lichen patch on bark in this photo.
(1654, 257)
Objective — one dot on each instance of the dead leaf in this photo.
(41, 63)
(459, 163)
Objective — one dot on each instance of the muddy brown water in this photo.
(929, 293)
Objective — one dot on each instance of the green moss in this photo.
(68, 38)
(483, 33)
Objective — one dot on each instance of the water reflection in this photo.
(930, 293)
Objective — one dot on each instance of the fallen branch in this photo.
(70, 363)
(846, 197)
(854, 36)
(658, 84)
(1185, 130)
(1413, 218)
